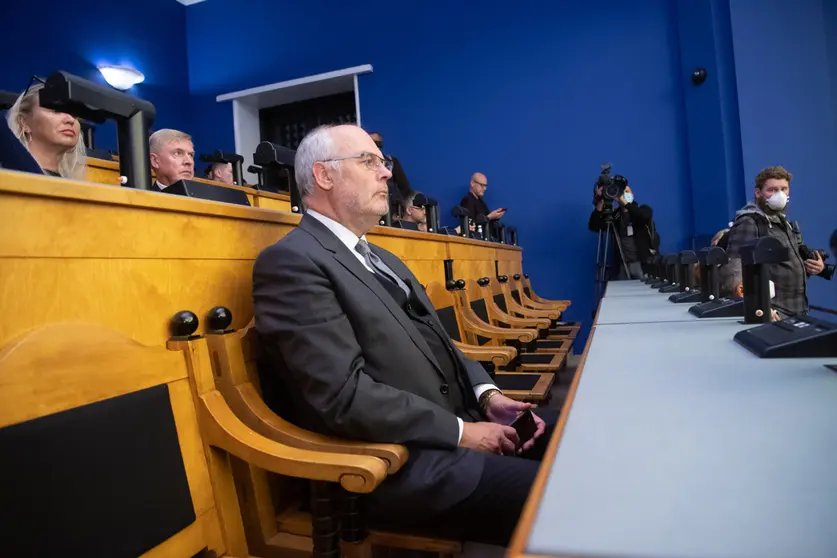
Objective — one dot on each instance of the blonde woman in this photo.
(52, 138)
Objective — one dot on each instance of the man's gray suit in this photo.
(346, 360)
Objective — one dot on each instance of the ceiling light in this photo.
(121, 77)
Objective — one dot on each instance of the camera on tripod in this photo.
(613, 187)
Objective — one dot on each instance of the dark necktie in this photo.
(380, 268)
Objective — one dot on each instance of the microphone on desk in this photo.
(464, 217)
(253, 169)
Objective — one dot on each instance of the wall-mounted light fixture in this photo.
(121, 77)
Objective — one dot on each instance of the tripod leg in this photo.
(621, 252)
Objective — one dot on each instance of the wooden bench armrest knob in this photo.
(499, 356)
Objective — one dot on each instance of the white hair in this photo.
(71, 164)
(317, 146)
(161, 137)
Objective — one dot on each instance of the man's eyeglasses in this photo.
(478, 183)
(372, 161)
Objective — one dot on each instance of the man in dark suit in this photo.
(356, 350)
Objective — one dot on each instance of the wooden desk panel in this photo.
(509, 260)
(75, 251)
(107, 172)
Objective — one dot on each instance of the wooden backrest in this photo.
(107, 172)
(445, 304)
(102, 452)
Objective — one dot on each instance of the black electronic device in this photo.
(63, 92)
(710, 260)
(432, 216)
(794, 337)
(755, 275)
(688, 292)
(665, 274)
(525, 426)
(277, 164)
(258, 172)
(204, 191)
(464, 217)
(719, 308)
(513, 236)
(672, 275)
(235, 159)
(654, 266)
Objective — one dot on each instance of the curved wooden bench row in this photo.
(77, 251)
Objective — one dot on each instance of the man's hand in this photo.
(502, 410)
(489, 437)
(497, 213)
(814, 266)
(774, 316)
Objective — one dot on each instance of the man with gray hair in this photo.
(356, 350)
(172, 157)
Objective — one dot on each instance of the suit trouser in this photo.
(491, 512)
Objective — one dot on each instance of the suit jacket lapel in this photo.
(353, 265)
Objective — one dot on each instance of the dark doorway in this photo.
(286, 125)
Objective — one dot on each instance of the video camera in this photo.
(613, 187)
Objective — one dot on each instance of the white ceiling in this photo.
(190, 2)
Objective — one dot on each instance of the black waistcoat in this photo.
(458, 388)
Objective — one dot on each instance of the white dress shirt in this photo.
(350, 240)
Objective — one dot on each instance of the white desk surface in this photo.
(682, 444)
(628, 288)
(646, 309)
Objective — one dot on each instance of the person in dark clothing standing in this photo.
(765, 216)
(635, 225)
(398, 183)
(474, 202)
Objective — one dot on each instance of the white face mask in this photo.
(629, 197)
(778, 201)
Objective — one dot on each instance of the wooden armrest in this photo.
(232, 381)
(499, 356)
(222, 429)
(486, 330)
(355, 473)
(530, 312)
(250, 406)
(536, 305)
(514, 321)
(564, 303)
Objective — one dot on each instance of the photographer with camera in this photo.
(765, 216)
(637, 240)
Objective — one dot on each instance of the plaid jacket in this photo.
(790, 277)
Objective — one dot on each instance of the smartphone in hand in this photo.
(525, 426)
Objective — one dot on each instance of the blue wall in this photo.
(536, 98)
(50, 35)
(784, 67)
